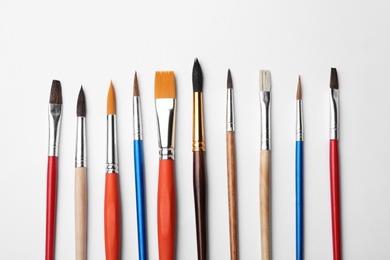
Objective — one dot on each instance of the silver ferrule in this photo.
(112, 148)
(81, 147)
(230, 125)
(55, 115)
(165, 110)
(137, 120)
(265, 107)
(334, 114)
(299, 123)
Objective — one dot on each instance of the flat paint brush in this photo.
(231, 168)
(112, 210)
(265, 164)
(165, 101)
(81, 179)
(55, 116)
(334, 163)
(299, 174)
(139, 172)
(199, 169)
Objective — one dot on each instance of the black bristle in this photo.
(81, 108)
(197, 77)
(55, 93)
(334, 81)
(229, 80)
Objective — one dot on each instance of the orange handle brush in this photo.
(166, 210)
(112, 217)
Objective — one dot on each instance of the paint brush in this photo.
(112, 210)
(139, 172)
(334, 163)
(165, 102)
(231, 168)
(265, 164)
(55, 116)
(299, 174)
(199, 169)
(81, 179)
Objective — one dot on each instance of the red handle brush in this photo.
(55, 112)
(334, 164)
(166, 210)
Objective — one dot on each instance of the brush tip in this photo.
(197, 77)
(164, 84)
(334, 82)
(265, 80)
(135, 86)
(81, 108)
(56, 93)
(229, 80)
(299, 91)
(111, 101)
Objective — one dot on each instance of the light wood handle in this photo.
(81, 212)
(231, 172)
(265, 220)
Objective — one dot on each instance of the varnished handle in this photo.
(335, 199)
(81, 212)
(200, 203)
(231, 170)
(51, 207)
(112, 217)
(265, 220)
(166, 210)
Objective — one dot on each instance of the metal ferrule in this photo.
(230, 126)
(112, 148)
(137, 120)
(166, 113)
(265, 107)
(299, 123)
(55, 115)
(198, 137)
(81, 147)
(334, 114)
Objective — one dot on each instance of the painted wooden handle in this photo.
(80, 194)
(200, 203)
(112, 217)
(335, 199)
(265, 221)
(166, 210)
(232, 194)
(51, 207)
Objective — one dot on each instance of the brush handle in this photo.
(335, 199)
(80, 194)
(299, 199)
(140, 199)
(200, 203)
(166, 210)
(231, 170)
(265, 220)
(51, 204)
(112, 217)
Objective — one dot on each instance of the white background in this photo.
(93, 42)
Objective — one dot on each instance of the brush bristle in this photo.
(81, 108)
(197, 77)
(299, 91)
(334, 81)
(164, 85)
(55, 93)
(229, 80)
(265, 80)
(135, 86)
(111, 101)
